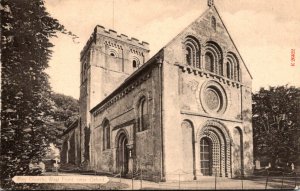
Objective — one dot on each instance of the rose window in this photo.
(213, 98)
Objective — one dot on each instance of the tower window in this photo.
(135, 63)
(113, 52)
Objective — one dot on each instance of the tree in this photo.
(65, 112)
(276, 124)
(26, 28)
(67, 108)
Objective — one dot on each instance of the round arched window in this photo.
(134, 65)
(209, 62)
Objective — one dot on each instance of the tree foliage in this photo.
(67, 108)
(276, 124)
(65, 112)
(26, 28)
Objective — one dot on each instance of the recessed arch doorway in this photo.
(122, 153)
(214, 147)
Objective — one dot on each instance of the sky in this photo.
(264, 32)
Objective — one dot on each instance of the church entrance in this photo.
(206, 156)
(215, 150)
(122, 154)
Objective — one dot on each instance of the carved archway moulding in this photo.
(216, 124)
(119, 133)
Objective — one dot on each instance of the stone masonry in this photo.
(185, 110)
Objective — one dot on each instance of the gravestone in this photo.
(257, 164)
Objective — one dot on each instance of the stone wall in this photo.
(184, 100)
(70, 151)
(196, 103)
(106, 61)
(123, 116)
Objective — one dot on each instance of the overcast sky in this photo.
(264, 31)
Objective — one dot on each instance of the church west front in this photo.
(186, 110)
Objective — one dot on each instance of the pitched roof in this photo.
(127, 80)
(71, 127)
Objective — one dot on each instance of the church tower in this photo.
(106, 61)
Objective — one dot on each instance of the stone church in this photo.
(185, 110)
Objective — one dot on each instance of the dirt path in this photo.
(205, 183)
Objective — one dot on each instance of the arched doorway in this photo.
(206, 156)
(122, 154)
(214, 149)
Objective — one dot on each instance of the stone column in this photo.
(229, 167)
(222, 162)
(224, 64)
(202, 64)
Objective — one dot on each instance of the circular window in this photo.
(213, 98)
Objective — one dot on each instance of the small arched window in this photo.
(113, 52)
(209, 62)
(143, 115)
(189, 55)
(233, 67)
(213, 23)
(135, 62)
(106, 135)
(213, 58)
(228, 70)
(134, 65)
(192, 48)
